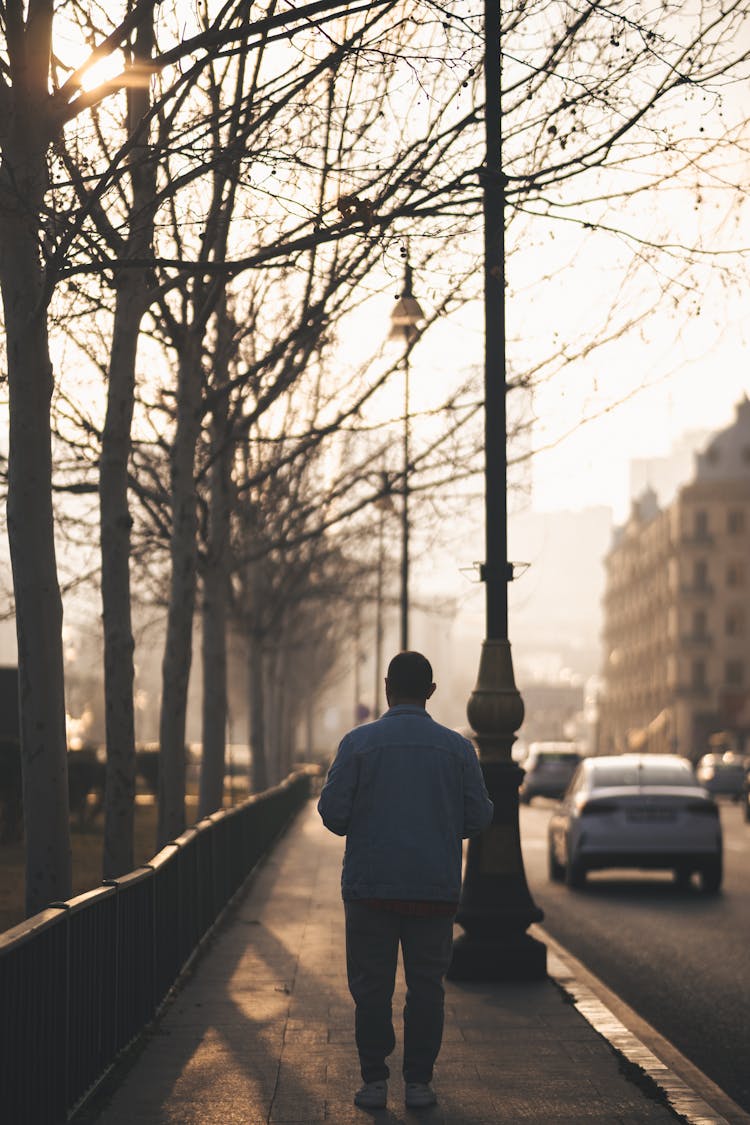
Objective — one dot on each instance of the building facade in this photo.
(677, 610)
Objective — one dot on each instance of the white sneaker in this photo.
(373, 1095)
(419, 1095)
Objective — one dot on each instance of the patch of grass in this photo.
(87, 845)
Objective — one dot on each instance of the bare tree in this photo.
(26, 109)
(215, 573)
(131, 301)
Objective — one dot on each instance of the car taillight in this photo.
(592, 808)
(704, 808)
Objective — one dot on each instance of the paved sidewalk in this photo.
(263, 1030)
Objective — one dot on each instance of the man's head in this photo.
(409, 679)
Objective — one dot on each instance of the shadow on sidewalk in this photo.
(262, 1032)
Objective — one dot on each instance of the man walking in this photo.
(404, 790)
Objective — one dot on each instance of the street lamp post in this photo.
(496, 907)
(382, 505)
(406, 315)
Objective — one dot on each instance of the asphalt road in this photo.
(680, 959)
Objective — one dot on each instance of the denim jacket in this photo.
(404, 790)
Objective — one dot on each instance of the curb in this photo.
(688, 1091)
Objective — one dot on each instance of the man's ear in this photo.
(431, 692)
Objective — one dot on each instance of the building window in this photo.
(699, 623)
(746, 454)
(735, 622)
(736, 574)
(698, 678)
(700, 574)
(701, 524)
(734, 673)
(736, 521)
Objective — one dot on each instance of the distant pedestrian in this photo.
(404, 790)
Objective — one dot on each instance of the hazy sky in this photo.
(673, 261)
(634, 399)
(679, 369)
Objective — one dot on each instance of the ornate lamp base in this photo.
(520, 958)
(496, 907)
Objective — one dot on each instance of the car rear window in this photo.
(615, 774)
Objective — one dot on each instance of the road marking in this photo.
(689, 1091)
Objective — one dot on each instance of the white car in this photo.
(636, 810)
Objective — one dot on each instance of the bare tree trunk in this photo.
(273, 709)
(178, 650)
(256, 702)
(115, 519)
(272, 746)
(30, 517)
(287, 723)
(114, 510)
(309, 730)
(214, 617)
(282, 706)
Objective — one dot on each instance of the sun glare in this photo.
(74, 54)
(102, 71)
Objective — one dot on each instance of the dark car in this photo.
(722, 774)
(549, 767)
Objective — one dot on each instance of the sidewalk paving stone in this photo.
(262, 1031)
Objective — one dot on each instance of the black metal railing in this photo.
(81, 979)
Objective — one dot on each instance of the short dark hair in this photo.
(410, 675)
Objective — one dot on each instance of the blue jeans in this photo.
(372, 941)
